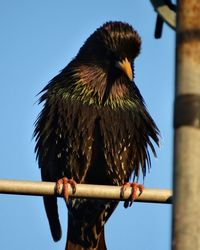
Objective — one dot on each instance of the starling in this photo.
(94, 128)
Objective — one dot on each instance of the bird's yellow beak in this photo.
(125, 66)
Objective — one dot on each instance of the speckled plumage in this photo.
(94, 127)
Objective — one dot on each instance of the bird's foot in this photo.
(135, 186)
(62, 185)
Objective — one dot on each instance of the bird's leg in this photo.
(63, 184)
(135, 186)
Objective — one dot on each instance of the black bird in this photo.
(94, 128)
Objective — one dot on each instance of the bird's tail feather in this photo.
(101, 245)
(51, 208)
(86, 221)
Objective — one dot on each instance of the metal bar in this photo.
(163, 10)
(37, 188)
(186, 210)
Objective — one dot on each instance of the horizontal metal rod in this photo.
(37, 188)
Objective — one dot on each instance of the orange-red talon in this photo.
(141, 188)
(134, 186)
(59, 185)
(73, 185)
(63, 183)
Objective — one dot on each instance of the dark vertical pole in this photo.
(186, 210)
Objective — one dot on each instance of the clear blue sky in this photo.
(39, 38)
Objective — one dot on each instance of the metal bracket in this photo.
(166, 11)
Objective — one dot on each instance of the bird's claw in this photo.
(135, 186)
(62, 185)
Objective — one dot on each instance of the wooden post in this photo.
(186, 210)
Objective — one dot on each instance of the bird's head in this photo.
(105, 61)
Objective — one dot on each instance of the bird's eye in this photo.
(110, 55)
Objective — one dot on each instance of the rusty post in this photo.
(186, 210)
